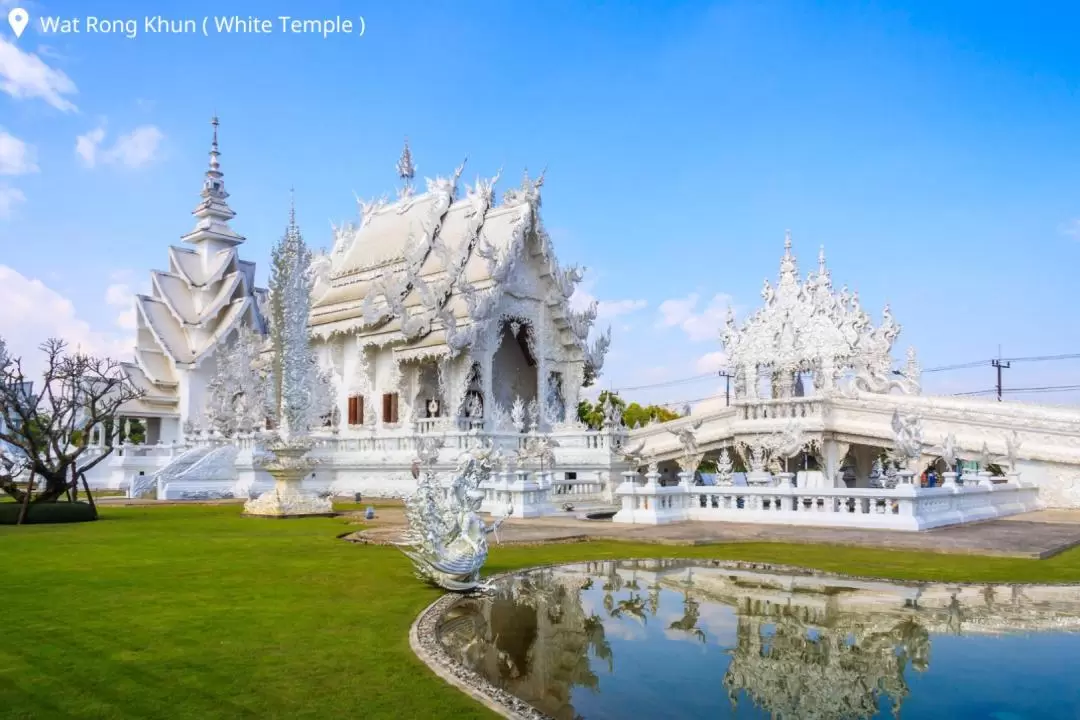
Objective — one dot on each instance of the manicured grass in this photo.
(196, 612)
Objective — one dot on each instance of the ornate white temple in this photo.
(442, 311)
(445, 321)
(206, 294)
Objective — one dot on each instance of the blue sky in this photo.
(931, 147)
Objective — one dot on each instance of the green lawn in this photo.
(196, 612)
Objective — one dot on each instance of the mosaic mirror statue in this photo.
(446, 539)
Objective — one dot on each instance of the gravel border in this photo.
(425, 643)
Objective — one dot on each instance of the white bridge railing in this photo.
(905, 507)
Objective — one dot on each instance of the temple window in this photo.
(390, 408)
(356, 410)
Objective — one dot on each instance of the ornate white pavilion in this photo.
(446, 323)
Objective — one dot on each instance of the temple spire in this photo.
(292, 207)
(405, 169)
(213, 211)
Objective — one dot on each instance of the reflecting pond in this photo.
(674, 639)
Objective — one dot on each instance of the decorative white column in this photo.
(487, 364)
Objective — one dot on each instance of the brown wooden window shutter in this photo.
(390, 407)
(359, 409)
(353, 417)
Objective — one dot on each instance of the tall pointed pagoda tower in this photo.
(206, 294)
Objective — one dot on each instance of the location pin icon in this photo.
(18, 18)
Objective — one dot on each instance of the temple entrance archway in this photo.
(514, 366)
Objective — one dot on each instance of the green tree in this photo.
(592, 414)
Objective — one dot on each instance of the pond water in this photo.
(700, 639)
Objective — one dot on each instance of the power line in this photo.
(941, 368)
(971, 393)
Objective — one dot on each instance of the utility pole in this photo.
(727, 387)
(999, 365)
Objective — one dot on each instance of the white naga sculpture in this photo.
(446, 539)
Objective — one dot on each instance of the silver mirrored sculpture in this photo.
(446, 539)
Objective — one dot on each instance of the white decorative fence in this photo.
(904, 507)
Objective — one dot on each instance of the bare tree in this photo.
(46, 429)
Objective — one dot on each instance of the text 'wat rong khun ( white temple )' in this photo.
(442, 320)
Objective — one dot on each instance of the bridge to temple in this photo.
(813, 378)
(859, 428)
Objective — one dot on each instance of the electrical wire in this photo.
(941, 368)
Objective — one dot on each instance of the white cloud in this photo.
(9, 198)
(16, 157)
(605, 309)
(698, 326)
(136, 149)
(120, 294)
(1072, 229)
(24, 75)
(35, 312)
(614, 308)
(711, 362)
(86, 146)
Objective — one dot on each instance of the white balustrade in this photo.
(651, 503)
(518, 494)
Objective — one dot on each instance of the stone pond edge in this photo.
(425, 643)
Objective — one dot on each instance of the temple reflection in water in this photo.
(583, 639)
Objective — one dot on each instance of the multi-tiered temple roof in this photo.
(206, 293)
(427, 271)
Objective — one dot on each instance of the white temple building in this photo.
(194, 306)
(444, 318)
(443, 311)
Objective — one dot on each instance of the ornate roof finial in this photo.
(213, 209)
(821, 259)
(788, 269)
(215, 166)
(405, 169)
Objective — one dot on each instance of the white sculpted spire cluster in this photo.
(301, 391)
(809, 327)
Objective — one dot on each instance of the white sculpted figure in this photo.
(1012, 447)
(948, 451)
(446, 539)
(725, 468)
(475, 407)
(633, 454)
(907, 436)
(691, 455)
